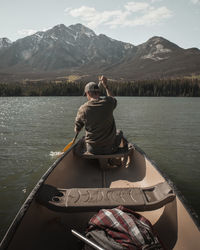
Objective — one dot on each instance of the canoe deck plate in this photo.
(93, 199)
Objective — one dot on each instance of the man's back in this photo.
(97, 116)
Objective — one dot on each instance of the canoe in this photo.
(70, 193)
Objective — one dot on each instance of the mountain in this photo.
(158, 58)
(77, 49)
(62, 48)
(4, 43)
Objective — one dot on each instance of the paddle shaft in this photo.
(75, 137)
(71, 143)
(86, 240)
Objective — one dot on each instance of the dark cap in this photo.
(91, 87)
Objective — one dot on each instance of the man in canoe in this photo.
(97, 117)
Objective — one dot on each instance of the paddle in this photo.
(71, 143)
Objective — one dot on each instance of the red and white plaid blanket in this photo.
(125, 227)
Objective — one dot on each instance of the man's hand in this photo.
(76, 130)
(103, 81)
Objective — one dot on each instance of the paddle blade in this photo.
(68, 146)
(71, 143)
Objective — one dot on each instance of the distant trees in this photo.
(176, 87)
(165, 87)
(10, 90)
(50, 88)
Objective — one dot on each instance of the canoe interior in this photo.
(42, 228)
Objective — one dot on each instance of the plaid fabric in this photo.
(129, 229)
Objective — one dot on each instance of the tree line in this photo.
(167, 87)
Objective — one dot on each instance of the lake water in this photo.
(167, 129)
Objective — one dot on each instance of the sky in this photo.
(125, 20)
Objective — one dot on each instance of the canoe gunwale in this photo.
(24, 208)
(177, 192)
(22, 211)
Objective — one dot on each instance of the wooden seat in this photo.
(121, 153)
(93, 199)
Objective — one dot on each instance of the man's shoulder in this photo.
(83, 106)
(111, 99)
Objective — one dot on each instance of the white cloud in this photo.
(92, 17)
(195, 1)
(26, 32)
(136, 6)
(87, 14)
(29, 32)
(154, 16)
(132, 14)
(155, 1)
(84, 11)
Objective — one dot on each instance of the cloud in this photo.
(132, 14)
(136, 6)
(154, 16)
(87, 14)
(195, 1)
(154, 1)
(29, 32)
(26, 32)
(92, 17)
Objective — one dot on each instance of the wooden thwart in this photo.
(122, 153)
(93, 199)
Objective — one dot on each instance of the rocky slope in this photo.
(77, 49)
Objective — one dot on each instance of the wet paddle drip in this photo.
(55, 154)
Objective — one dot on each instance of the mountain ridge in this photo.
(76, 49)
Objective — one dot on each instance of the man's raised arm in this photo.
(103, 81)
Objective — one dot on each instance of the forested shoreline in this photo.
(168, 87)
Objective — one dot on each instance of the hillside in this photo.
(77, 50)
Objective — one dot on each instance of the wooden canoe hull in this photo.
(38, 227)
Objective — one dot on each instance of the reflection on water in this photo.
(33, 130)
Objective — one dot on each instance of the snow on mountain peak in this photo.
(156, 49)
(81, 29)
(39, 35)
(158, 53)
